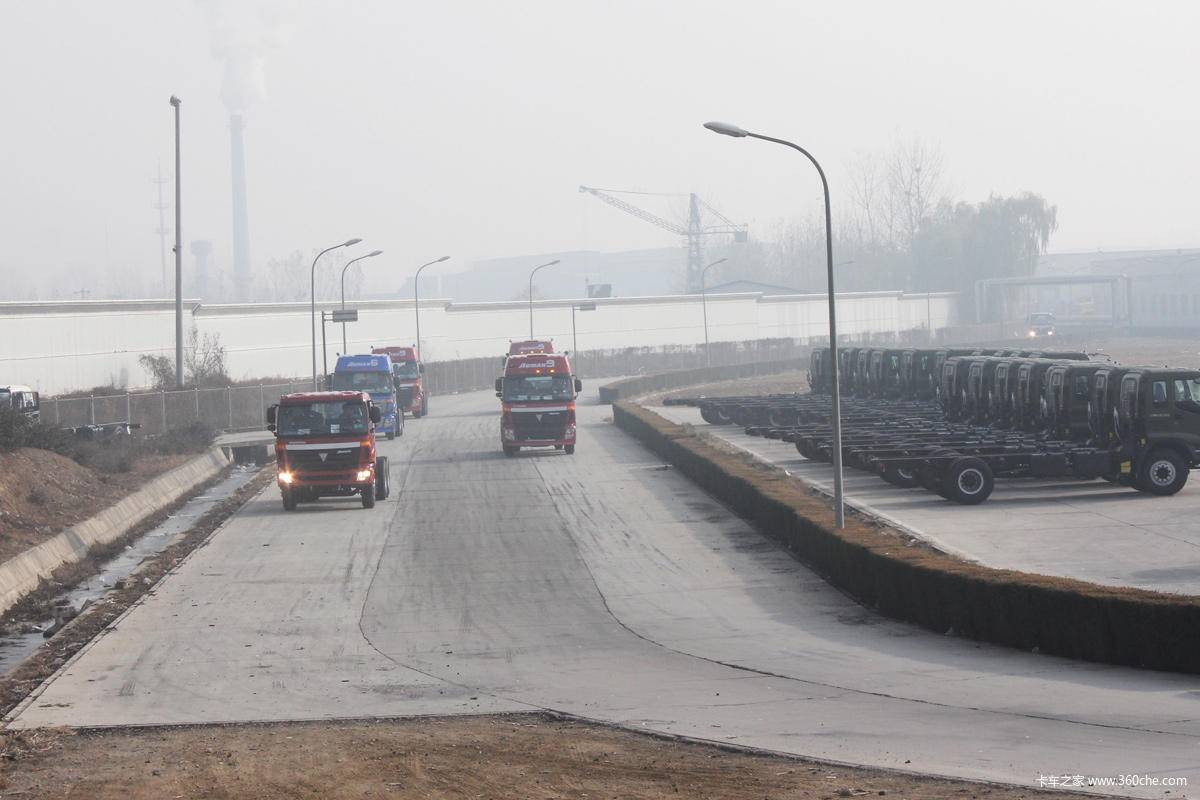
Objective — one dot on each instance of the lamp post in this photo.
(176, 103)
(531, 274)
(577, 307)
(704, 305)
(313, 302)
(417, 299)
(838, 501)
(372, 254)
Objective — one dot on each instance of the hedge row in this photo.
(1059, 616)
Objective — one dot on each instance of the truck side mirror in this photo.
(376, 414)
(578, 385)
(421, 368)
(499, 385)
(271, 412)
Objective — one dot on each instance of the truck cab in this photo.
(1157, 422)
(408, 375)
(1067, 393)
(22, 400)
(372, 374)
(1040, 325)
(819, 369)
(325, 446)
(537, 402)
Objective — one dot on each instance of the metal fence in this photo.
(238, 408)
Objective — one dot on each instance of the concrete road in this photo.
(603, 585)
(1090, 530)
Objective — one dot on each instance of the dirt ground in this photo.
(499, 757)
(42, 492)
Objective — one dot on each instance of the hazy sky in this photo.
(466, 127)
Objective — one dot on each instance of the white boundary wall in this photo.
(57, 347)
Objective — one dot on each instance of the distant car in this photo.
(1039, 324)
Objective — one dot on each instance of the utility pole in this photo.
(175, 103)
(162, 230)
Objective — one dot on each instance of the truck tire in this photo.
(904, 477)
(570, 449)
(391, 435)
(1162, 473)
(708, 416)
(424, 406)
(510, 451)
(383, 481)
(289, 499)
(368, 496)
(968, 482)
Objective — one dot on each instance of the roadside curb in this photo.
(1050, 615)
(22, 574)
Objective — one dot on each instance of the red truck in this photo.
(537, 395)
(325, 446)
(407, 372)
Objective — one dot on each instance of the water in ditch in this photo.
(18, 644)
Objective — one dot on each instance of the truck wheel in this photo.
(707, 415)
(391, 435)
(570, 449)
(510, 451)
(368, 496)
(289, 499)
(383, 482)
(1162, 473)
(904, 477)
(969, 481)
(424, 406)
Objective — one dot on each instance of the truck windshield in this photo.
(406, 370)
(371, 382)
(322, 419)
(537, 387)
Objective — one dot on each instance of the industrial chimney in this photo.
(241, 219)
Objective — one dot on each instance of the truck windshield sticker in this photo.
(322, 418)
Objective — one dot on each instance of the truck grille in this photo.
(309, 461)
(528, 426)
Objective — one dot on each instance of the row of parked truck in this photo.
(955, 420)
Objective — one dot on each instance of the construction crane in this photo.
(694, 232)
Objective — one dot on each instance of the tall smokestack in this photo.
(241, 219)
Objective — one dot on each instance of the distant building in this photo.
(630, 273)
(1163, 286)
(739, 287)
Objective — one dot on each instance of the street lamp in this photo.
(372, 254)
(417, 299)
(839, 509)
(313, 302)
(704, 305)
(531, 274)
(176, 103)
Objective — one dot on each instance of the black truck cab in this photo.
(1156, 421)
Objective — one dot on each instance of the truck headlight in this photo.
(286, 477)
(363, 475)
(508, 434)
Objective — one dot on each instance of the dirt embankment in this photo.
(502, 758)
(42, 493)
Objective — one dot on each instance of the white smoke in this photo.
(244, 33)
